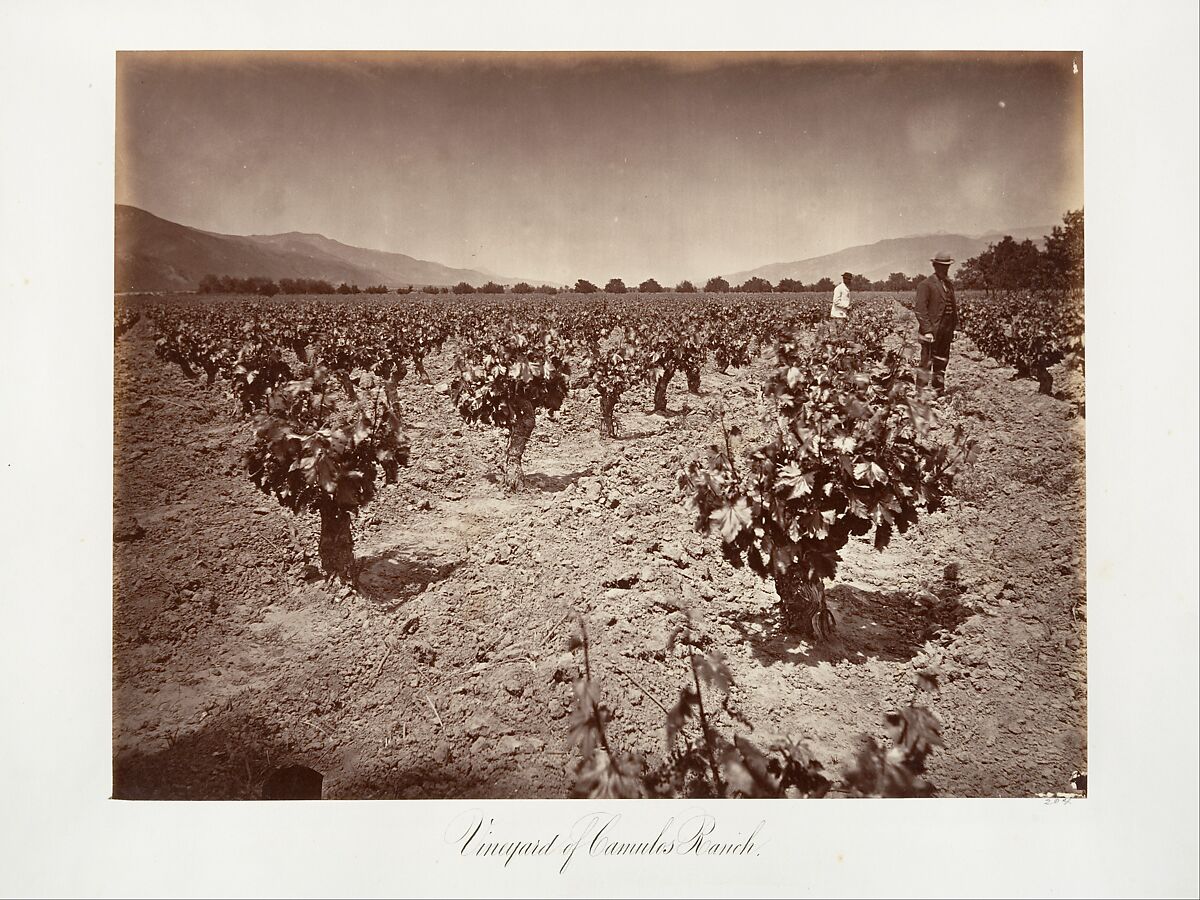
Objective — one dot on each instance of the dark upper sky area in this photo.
(561, 166)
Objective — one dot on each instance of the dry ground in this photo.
(449, 675)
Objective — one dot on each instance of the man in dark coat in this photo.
(937, 317)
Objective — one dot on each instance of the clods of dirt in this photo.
(447, 672)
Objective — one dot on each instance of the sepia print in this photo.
(548, 425)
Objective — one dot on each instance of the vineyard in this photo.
(679, 544)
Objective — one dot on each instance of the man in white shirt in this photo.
(840, 310)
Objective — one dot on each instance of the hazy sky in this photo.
(568, 166)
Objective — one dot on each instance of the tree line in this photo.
(228, 284)
(1007, 265)
(1010, 265)
(268, 287)
(897, 281)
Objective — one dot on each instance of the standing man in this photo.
(840, 310)
(937, 317)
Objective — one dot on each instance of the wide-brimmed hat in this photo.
(942, 256)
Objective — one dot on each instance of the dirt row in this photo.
(448, 674)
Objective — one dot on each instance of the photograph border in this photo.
(1131, 834)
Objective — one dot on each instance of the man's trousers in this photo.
(935, 355)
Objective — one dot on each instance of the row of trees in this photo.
(897, 281)
(268, 287)
(227, 284)
(492, 288)
(1010, 265)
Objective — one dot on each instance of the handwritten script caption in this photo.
(601, 835)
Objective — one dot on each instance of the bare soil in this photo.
(448, 675)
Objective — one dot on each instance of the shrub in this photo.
(702, 761)
(311, 456)
(613, 365)
(508, 376)
(755, 285)
(851, 452)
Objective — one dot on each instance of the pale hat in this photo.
(942, 256)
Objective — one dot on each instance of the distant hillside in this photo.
(877, 261)
(153, 254)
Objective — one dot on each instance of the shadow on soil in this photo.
(890, 626)
(540, 481)
(228, 758)
(394, 578)
(232, 757)
(552, 484)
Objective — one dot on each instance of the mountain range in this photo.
(153, 254)
(877, 261)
